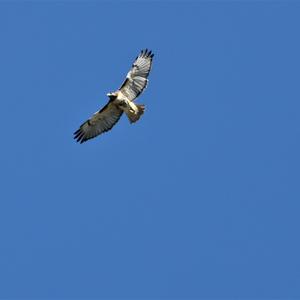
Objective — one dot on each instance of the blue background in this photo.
(199, 199)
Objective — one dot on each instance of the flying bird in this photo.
(122, 100)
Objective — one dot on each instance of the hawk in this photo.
(122, 100)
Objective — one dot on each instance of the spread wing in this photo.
(101, 121)
(136, 79)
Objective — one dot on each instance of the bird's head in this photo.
(112, 95)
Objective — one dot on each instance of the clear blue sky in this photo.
(199, 199)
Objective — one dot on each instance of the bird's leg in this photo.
(132, 107)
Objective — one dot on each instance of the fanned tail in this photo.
(135, 116)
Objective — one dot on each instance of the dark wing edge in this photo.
(102, 121)
(137, 78)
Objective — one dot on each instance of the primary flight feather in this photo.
(120, 101)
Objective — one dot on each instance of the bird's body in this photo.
(120, 101)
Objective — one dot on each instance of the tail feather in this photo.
(135, 116)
